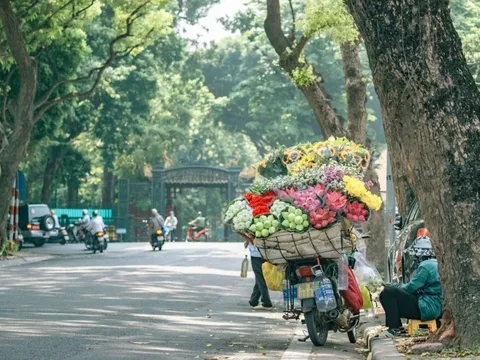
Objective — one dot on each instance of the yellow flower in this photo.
(373, 201)
(356, 188)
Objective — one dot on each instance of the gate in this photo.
(136, 199)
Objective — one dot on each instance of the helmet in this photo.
(154, 212)
(84, 212)
(52, 212)
(95, 213)
(199, 213)
(422, 247)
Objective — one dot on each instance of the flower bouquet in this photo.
(304, 199)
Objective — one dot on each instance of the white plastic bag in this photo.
(343, 272)
(365, 272)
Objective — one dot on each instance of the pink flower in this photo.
(336, 200)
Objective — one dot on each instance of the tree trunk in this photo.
(9, 161)
(327, 117)
(356, 89)
(56, 154)
(72, 193)
(107, 186)
(376, 226)
(431, 110)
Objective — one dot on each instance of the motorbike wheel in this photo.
(105, 244)
(352, 335)
(317, 330)
(101, 249)
(94, 250)
(63, 242)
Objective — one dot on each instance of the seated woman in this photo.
(419, 299)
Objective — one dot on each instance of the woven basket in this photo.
(285, 246)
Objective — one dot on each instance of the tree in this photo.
(431, 110)
(292, 59)
(31, 28)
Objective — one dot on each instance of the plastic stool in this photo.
(415, 324)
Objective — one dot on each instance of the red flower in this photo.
(248, 196)
(261, 210)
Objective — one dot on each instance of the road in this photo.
(186, 302)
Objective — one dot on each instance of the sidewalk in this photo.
(378, 347)
(23, 259)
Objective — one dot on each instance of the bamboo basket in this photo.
(285, 246)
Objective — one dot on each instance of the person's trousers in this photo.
(260, 290)
(399, 304)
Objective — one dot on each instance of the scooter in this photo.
(158, 240)
(60, 235)
(310, 288)
(90, 239)
(196, 235)
(98, 242)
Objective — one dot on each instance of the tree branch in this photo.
(26, 66)
(43, 105)
(301, 44)
(293, 19)
(5, 97)
(273, 27)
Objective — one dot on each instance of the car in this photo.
(401, 258)
(35, 223)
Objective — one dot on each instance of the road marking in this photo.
(298, 350)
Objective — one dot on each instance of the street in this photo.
(186, 302)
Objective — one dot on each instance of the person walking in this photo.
(260, 290)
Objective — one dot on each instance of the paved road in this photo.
(186, 302)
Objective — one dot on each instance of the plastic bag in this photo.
(343, 272)
(367, 301)
(273, 276)
(244, 267)
(364, 271)
(353, 296)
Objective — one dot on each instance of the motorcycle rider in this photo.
(156, 223)
(171, 223)
(83, 224)
(55, 217)
(95, 225)
(200, 222)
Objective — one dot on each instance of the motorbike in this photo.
(60, 234)
(90, 239)
(98, 242)
(310, 288)
(158, 240)
(76, 233)
(192, 234)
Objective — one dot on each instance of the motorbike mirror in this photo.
(398, 223)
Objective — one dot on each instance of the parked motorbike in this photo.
(310, 288)
(157, 240)
(192, 234)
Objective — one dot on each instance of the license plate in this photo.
(306, 290)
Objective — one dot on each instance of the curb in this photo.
(24, 261)
(380, 348)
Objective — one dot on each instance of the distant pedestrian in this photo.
(171, 223)
(260, 290)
